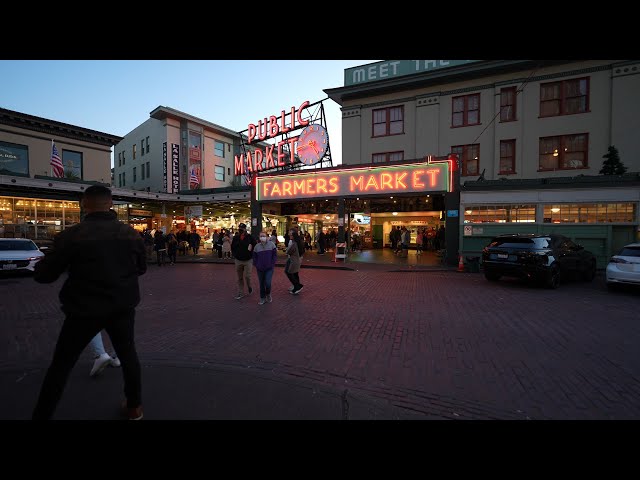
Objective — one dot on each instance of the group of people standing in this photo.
(426, 239)
(262, 255)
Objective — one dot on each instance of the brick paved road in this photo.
(442, 343)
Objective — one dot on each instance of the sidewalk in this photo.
(204, 392)
(379, 259)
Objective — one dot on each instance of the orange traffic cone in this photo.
(460, 264)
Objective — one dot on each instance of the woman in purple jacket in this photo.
(265, 254)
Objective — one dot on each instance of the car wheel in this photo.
(553, 278)
(492, 277)
(590, 273)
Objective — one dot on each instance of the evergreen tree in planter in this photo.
(612, 165)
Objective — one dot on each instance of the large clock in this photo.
(312, 144)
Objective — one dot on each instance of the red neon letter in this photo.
(273, 126)
(270, 161)
(433, 174)
(385, 181)
(275, 189)
(356, 183)
(249, 162)
(252, 132)
(322, 185)
(286, 188)
(333, 183)
(302, 122)
(399, 179)
(257, 157)
(280, 154)
(293, 118)
(371, 183)
(416, 179)
(298, 186)
(291, 141)
(311, 186)
(261, 135)
(283, 128)
(239, 164)
(265, 186)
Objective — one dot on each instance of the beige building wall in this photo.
(96, 159)
(613, 106)
(211, 160)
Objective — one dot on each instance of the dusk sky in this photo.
(115, 96)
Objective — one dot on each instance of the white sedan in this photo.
(624, 267)
(19, 254)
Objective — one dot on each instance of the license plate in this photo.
(9, 266)
(503, 255)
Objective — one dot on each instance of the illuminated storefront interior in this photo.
(36, 218)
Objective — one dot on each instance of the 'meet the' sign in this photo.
(411, 178)
(395, 68)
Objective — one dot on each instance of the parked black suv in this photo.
(544, 258)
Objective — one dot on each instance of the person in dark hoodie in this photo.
(265, 255)
(242, 247)
(103, 258)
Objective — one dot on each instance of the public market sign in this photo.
(407, 178)
(273, 155)
(395, 68)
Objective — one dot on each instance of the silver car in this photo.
(624, 267)
(19, 254)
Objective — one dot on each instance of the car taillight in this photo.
(617, 260)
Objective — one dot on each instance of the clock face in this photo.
(312, 144)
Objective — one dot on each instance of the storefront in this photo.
(365, 200)
(36, 218)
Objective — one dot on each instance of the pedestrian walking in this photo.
(265, 255)
(242, 249)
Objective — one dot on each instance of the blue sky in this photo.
(115, 96)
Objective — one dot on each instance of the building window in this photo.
(564, 152)
(387, 157)
(508, 104)
(388, 121)
(507, 156)
(220, 173)
(218, 149)
(142, 147)
(134, 151)
(590, 213)
(142, 171)
(119, 159)
(72, 162)
(228, 147)
(466, 110)
(229, 171)
(469, 156)
(134, 174)
(500, 214)
(564, 98)
(124, 180)
(148, 173)
(119, 180)
(14, 158)
(123, 159)
(147, 144)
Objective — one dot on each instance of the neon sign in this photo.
(265, 160)
(408, 178)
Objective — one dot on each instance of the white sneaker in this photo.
(115, 362)
(269, 299)
(291, 288)
(262, 301)
(239, 296)
(100, 363)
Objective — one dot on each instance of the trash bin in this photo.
(473, 264)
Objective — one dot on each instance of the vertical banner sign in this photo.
(175, 167)
(165, 168)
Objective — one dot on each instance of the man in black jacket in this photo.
(242, 249)
(104, 258)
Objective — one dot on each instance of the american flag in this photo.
(56, 162)
(193, 178)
